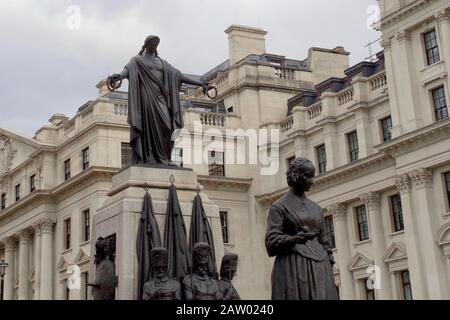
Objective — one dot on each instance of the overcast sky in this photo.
(52, 58)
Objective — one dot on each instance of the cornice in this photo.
(66, 189)
(350, 171)
(410, 141)
(225, 184)
(402, 13)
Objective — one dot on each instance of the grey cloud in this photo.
(47, 68)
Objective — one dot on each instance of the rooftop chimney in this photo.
(243, 41)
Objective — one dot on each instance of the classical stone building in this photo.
(378, 132)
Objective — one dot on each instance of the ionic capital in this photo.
(403, 183)
(422, 178)
(46, 225)
(372, 200)
(339, 211)
(443, 16)
(403, 36)
(23, 235)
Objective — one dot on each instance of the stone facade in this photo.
(385, 191)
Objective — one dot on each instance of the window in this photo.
(447, 185)
(440, 104)
(17, 192)
(386, 127)
(85, 156)
(322, 158)
(33, 183)
(177, 157)
(361, 219)
(406, 285)
(3, 201)
(369, 293)
(216, 164)
(224, 225)
(353, 147)
(397, 213)
(86, 225)
(67, 234)
(67, 169)
(431, 47)
(329, 230)
(84, 287)
(126, 153)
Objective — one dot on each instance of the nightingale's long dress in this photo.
(153, 110)
(301, 271)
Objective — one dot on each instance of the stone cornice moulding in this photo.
(352, 170)
(435, 132)
(66, 189)
(226, 184)
(402, 13)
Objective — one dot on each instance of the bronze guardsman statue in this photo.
(296, 236)
(160, 286)
(154, 112)
(228, 269)
(105, 284)
(199, 285)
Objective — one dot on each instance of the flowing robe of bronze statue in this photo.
(199, 285)
(161, 287)
(154, 112)
(303, 268)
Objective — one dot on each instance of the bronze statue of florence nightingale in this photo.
(303, 268)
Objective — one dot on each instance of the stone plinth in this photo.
(121, 212)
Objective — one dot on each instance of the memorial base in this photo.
(121, 212)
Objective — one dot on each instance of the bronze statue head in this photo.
(300, 175)
(229, 266)
(160, 262)
(200, 258)
(101, 250)
(150, 45)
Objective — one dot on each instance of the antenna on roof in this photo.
(372, 57)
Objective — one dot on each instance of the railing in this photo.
(346, 96)
(121, 109)
(287, 124)
(315, 111)
(378, 81)
(221, 80)
(212, 119)
(284, 73)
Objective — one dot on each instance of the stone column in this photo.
(412, 242)
(46, 292)
(37, 260)
(24, 268)
(428, 224)
(443, 18)
(397, 128)
(347, 289)
(331, 143)
(373, 203)
(10, 247)
(364, 132)
(394, 286)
